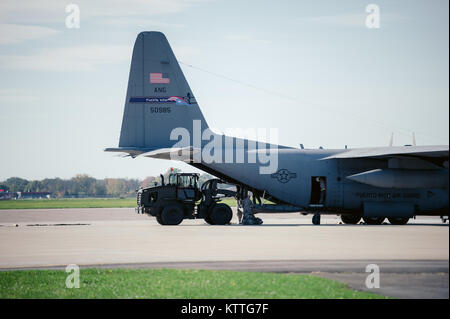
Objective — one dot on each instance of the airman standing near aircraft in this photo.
(249, 218)
(323, 190)
(239, 210)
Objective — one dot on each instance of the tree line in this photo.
(83, 185)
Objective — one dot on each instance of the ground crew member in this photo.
(249, 218)
(239, 210)
(323, 189)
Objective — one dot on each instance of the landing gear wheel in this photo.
(316, 219)
(398, 220)
(373, 220)
(172, 215)
(220, 214)
(350, 219)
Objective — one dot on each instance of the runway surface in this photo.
(413, 259)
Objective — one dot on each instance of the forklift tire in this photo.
(172, 215)
(219, 214)
(208, 220)
(159, 219)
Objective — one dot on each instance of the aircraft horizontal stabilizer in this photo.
(132, 151)
(184, 154)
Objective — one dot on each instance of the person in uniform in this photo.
(249, 218)
(239, 210)
(323, 189)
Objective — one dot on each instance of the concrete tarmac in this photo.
(413, 258)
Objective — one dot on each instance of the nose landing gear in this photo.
(316, 219)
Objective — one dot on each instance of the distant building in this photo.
(8, 195)
(24, 195)
(33, 195)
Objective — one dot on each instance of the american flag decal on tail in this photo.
(159, 78)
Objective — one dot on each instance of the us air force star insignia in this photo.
(283, 175)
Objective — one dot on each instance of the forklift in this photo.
(181, 198)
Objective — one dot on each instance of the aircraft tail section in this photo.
(158, 98)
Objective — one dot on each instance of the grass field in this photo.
(78, 203)
(68, 203)
(172, 283)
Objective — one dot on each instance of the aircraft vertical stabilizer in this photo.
(158, 97)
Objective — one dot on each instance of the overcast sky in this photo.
(334, 81)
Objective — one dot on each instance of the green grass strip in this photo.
(68, 203)
(172, 283)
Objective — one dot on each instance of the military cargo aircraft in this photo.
(162, 119)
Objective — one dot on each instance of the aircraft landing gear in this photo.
(316, 219)
(398, 220)
(350, 219)
(373, 220)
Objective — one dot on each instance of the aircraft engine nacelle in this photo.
(403, 178)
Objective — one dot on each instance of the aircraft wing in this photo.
(426, 152)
